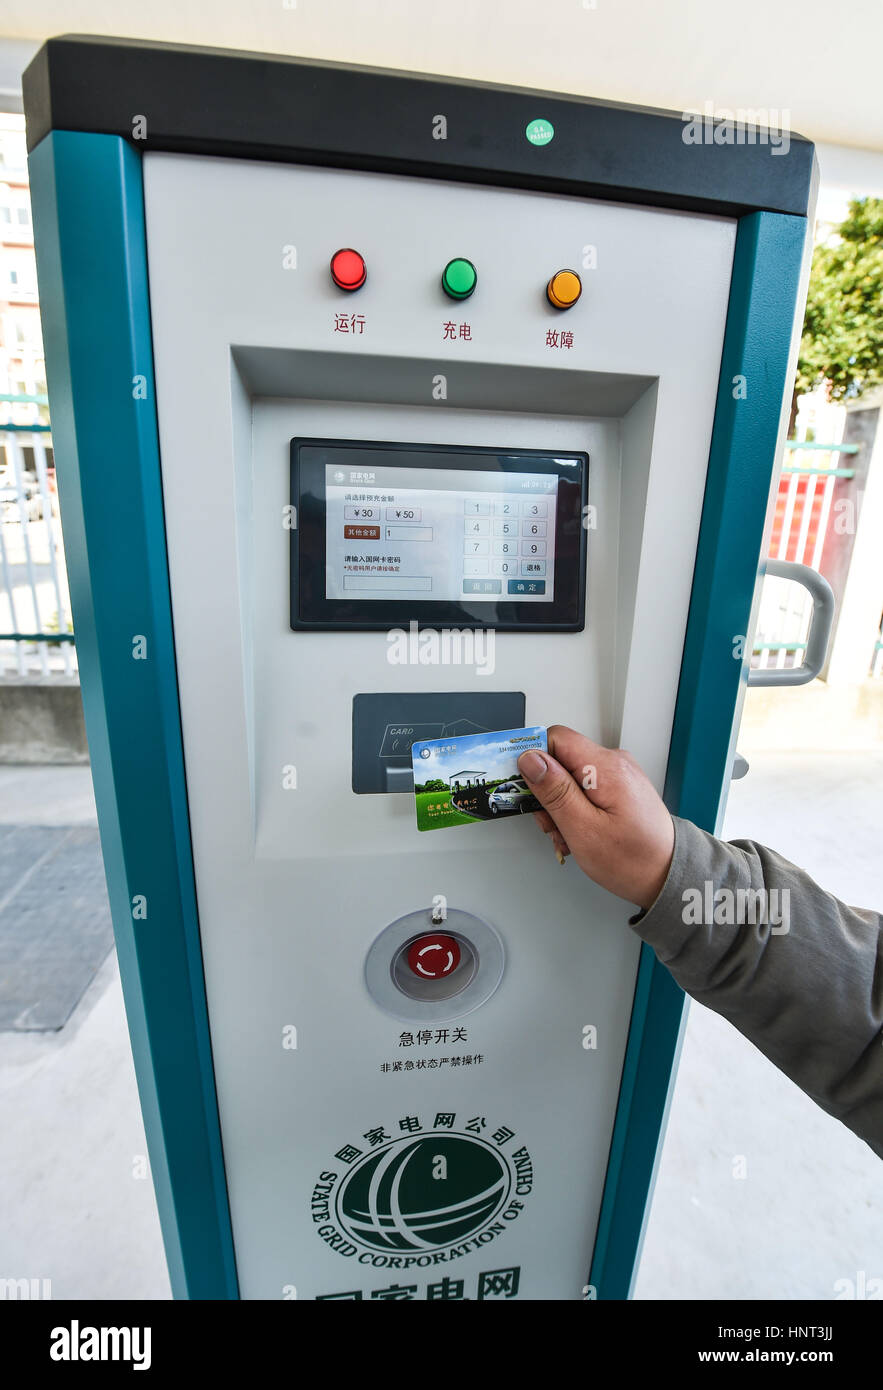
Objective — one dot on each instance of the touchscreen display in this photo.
(389, 533)
(430, 534)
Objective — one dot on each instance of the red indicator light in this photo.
(434, 957)
(348, 270)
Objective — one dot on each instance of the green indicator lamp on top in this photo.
(459, 278)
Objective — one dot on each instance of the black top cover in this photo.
(262, 106)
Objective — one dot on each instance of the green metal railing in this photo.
(34, 605)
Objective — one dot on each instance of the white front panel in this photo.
(295, 882)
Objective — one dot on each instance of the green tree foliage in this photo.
(842, 339)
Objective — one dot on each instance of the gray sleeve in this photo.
(751, 936)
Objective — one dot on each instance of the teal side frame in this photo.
(764, 292)
(92, 263)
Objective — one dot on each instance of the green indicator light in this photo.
(459, 278)
(540, 132)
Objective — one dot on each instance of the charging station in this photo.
(388, 407)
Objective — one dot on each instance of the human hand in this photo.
(599, 807)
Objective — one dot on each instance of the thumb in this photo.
(557, 792)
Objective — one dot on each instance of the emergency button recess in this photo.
(434, 957)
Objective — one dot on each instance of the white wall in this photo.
(803, 56)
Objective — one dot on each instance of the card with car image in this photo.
(462, 781)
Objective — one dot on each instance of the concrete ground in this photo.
(74, 1207)
(807, 1214)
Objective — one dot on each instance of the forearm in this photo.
(800, 974)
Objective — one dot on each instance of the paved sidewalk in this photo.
(73, 1208)
(55, 928)
(809, 1211)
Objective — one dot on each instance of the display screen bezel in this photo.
(311, 610)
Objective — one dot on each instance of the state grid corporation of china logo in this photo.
(423, 1197)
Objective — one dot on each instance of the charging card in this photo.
(461, 781)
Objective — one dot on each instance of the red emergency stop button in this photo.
(434, 957)
(348, 269)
